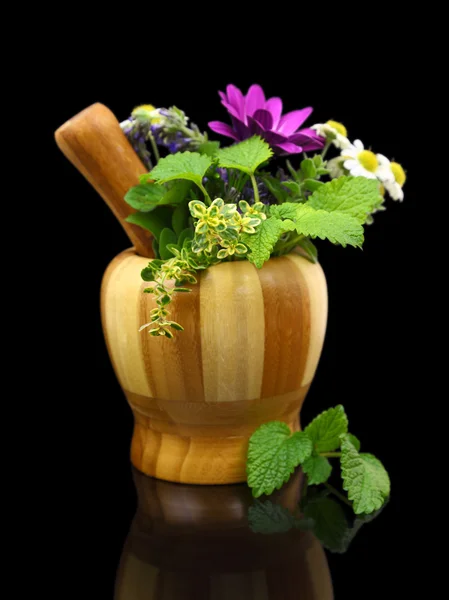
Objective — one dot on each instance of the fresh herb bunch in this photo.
(274, 453)
(205, 204)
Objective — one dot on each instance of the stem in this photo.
(331, 454)
(326, 148)
(290, 244)
(256, 191)
(154, 146)
(337, 493)
(293, 173)
(206, 195)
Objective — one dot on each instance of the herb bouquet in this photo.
(222, 330)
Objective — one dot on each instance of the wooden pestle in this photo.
(95, 144)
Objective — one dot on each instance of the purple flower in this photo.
(253, 115)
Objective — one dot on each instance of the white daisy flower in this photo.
(392, 176)
(334, 132)
(360, 162)
(334, 167)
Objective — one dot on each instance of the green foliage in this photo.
(329, 521)
(180, 218)
(276, 188)
(353, 196)
(308, 250)
(154, 221)
(145, 197)
(338, 227)
(268, 517)
(325, 430)
(354, 441)
(209, 148)
(273, 455)
(317, 468)
(182, 165)
(262, 242)
(168, 236)
(246, 156)
(364, 478)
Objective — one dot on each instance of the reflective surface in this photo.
(200, 542)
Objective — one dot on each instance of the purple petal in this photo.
(255, 128)
(308, 139)
(292, 120)
(236, 99)
(223, 96)
(264, 118)
(274, 138)
(255, 98)
(287, 148)
(232, 110)
(240, 129)
(223, 129)
(274, 105)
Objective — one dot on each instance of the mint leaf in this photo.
(245, 156)
(145, 197)
(262, 242)
(325, 430)
(182, 165)
(179, 218)
(354, 441)
(308, 250)
(330, 524)
(317, 468)
(268, 517)
(154, 221)
(177, 192)
(208, 148)
(353, 196)
(273, 455)
(364, 478)
(338, 227)
(167, 236)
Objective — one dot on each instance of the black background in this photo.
(364, 363)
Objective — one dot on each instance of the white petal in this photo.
(358, 144)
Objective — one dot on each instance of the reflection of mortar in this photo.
(190, 542)
(249, 351)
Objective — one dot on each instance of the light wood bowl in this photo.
(248, 355)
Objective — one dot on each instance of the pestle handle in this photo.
(95, 144)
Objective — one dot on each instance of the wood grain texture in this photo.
(95, 144)
(193, 542)
(248, 354)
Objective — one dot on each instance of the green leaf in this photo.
(273, 455)
(317, 468)
(145, 197)
(153, 221)
(330, 524)
(364, 478)
(182, 165)
(179, 218)
(308, 168)
(308, 250)
(354, 441)
(167, 236)
(325, 430)
(177, 193)
(353, 196)
(186, 234)
(294, 187)
(312, 184)
(209, 148)
(155, 246)
(268, 517)
(275, 188)
(245, 156)
(338, 227)
(147, 274)
(262, 242)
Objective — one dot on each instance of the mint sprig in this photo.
(274, 453)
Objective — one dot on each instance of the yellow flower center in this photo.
(398, 172)
(339, 128)
(148, 107)
(368, 160)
